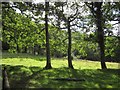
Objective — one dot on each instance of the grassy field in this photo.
(26, 71)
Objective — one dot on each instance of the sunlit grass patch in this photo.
(40, 61)
(83, 64)
(21, 61)
(23, 55)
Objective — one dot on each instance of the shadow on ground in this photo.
(36, 77)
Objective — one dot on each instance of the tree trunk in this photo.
(69, 45)
(48, 63)
(24, 49)
(17, 48)
(5, 83)
(34, 50)
(100, 33)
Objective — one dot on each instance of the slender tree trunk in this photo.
(18, 49)
(100, 32)
(5, 83)
(34, 50)
(17, 46)
(48, 63)
(69, 46)
(38, 50)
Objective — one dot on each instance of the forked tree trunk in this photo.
(100, 33)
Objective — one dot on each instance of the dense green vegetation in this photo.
(42, 42)
(26, 71)
(24, 35)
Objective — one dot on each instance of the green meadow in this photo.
(26, 71)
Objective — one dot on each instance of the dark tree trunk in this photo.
(5, 46)
(48, 63)
(38, 51)
(18, 49)
(5, 83)
(24, 49)
(100, 33)
(34, 50)
(69, 45)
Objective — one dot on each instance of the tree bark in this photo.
(5, 83)
(69, 45)
(48, 63)
(17, 48)
(24, 49)
(100, 33)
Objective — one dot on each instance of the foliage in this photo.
(112, 54)
(25, 33)
(85, 46)
(58, 42)
(20, 30)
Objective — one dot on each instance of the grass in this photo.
(26, 71)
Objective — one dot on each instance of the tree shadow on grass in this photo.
(36, 77)
(20, 75)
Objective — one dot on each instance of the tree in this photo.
(96, 9)
(48, 63)
(67, 18)
(19, 31)
(69, 45)
(112, 39)
(37, 9)
(5, 84)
